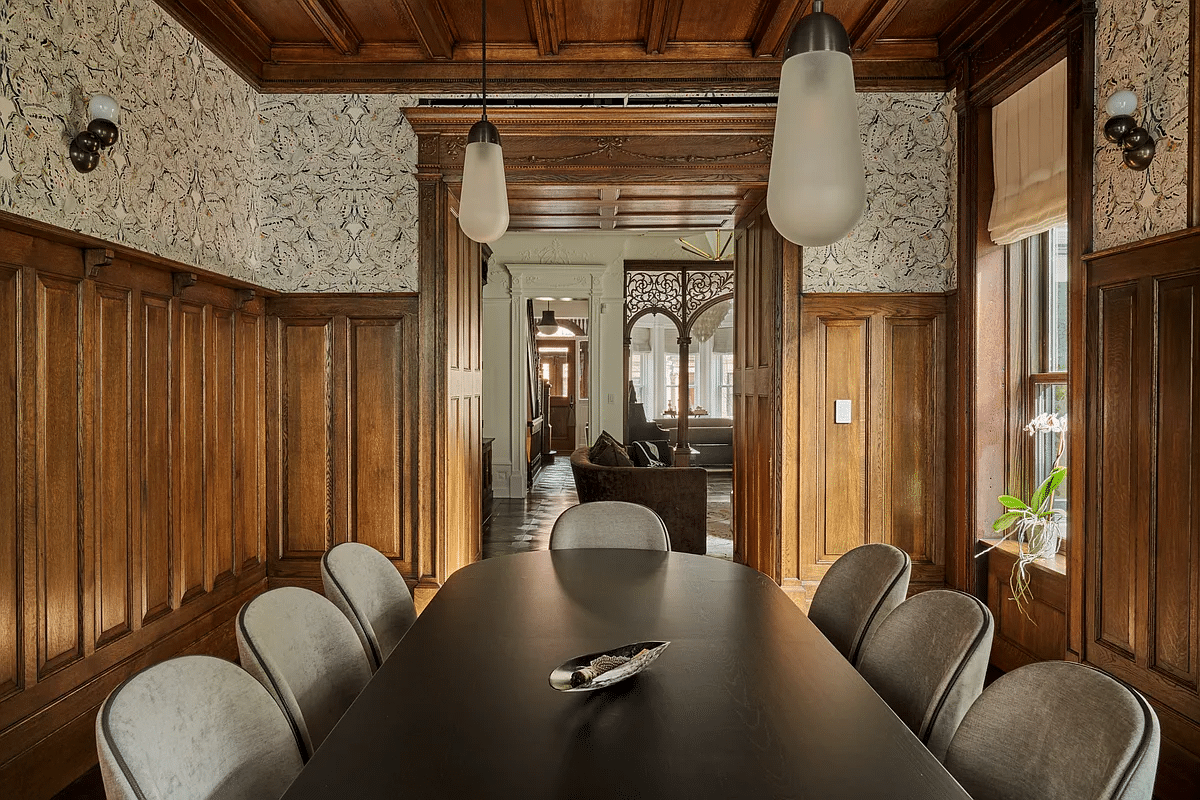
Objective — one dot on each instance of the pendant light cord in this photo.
(484, 59)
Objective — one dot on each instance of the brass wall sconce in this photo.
(1123, 129)
(100, 132)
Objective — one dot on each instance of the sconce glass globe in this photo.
(817, 189)
(1121, 104)
(102, 106)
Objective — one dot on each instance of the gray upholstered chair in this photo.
(366, 587)
(305, 651)
(194, 727)
(928, 659)
(609, 523)
(858, 591)
(1057, 730)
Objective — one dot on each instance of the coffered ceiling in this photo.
(424, 46)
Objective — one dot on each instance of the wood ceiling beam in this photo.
(662, 24)
(429, 21)
(873, 23)
(331, 20)
(774, 25)
(547, 23)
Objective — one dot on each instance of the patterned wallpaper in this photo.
(317, 193)
(338, 193)
(181, 180)
(905, 241)
(1142, 45)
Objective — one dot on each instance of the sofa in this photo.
(710, 437)
(677, 494)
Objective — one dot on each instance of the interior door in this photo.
(557, 363)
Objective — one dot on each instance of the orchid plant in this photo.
(1037, 526)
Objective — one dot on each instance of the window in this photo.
(672, 384)
(1038, 265)
(725, 389)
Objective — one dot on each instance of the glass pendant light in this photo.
(483, 210)
(817, 187)
(548, 325)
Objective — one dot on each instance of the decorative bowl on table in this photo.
(598, 670)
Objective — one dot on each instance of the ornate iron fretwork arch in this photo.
(681, 291)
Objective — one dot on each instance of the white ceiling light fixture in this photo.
(817, 189)
(716, 246)
(483, 212)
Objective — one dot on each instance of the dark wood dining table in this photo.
(749, 700)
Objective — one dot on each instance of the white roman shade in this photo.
(1029, 149)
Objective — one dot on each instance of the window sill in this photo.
(1056, 565)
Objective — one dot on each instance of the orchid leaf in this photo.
(1005, 521)
(1008, 501)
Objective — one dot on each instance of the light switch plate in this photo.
(841, 412)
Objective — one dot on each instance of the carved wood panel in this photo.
(11, 635)
(307, 442)
(158, 423)
(58, 472)
(346, 430)
(880, 476)
(1140, 582)
(115, 475)
(1117, 507)
(118, 391)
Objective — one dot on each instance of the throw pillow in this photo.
(645, 454)
(608, 452)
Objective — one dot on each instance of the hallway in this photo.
(522, 525)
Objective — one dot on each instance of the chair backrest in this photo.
(366, 587)
(1056, 729)
(305, 651)
(858, 591)
(928, 659)
(609, 523)
(194, 727)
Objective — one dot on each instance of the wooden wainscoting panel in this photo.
(249, 484)
(58, 474)
(377, 412)
(158, 536)
(11, 633)
(307, 438)
(1141, 547)
(1041, 633)
(881, 476)
(912, 448)
(220, 528)
(843, 369)
(1117, 509)
(115, 503)
(341, 464)
(117, 443)
(1174, 584)
(190, 557)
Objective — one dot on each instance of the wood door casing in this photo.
(764, 313)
